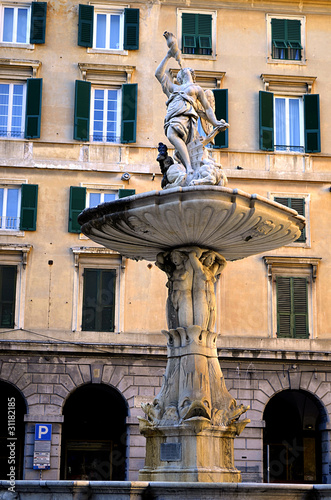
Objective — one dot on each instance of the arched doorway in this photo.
(94, 435)
(292, 450)
(12, 430)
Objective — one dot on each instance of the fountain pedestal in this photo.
(191, 232)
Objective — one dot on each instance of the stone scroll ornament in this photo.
(193, 383)
(192, 163)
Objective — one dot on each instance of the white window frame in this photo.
(270, 60)
(102, 8)
(213, 14)
(13, 183)
(298, 267)
(118, 118)
(102, 193)
(17, 255)
(97, 258)
(287, 122)
(10, 108)
(4, 207)
(16, 6)
(303, 244)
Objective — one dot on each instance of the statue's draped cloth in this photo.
(181, 113)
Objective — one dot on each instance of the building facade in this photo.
(81, 116)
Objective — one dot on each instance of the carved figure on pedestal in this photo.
(207, 265)
(186, 100)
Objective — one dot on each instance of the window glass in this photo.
(9, 208)
(15, 25)
(12, 110)
(105, 114)
(94, 199)
(288, 124)
(109, 28)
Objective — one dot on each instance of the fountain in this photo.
(190, 229)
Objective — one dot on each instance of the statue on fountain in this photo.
(187, 103)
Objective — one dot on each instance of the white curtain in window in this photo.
(294, 123)
(280, 122)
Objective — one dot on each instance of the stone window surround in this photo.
(213, 14)
(304, 244)
(21, 3)
(292, 266)
(16, 183)
(12, 254)
(290, 85)
(106, 74)
(97, 257)
(301, 18)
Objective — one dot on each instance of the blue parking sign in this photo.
(43, 432)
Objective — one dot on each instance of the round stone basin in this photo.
(234, 223)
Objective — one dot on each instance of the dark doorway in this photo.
(12, 430)
(94, 435)
(292, 438)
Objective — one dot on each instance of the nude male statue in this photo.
(180, 123)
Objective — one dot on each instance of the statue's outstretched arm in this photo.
(167, 84)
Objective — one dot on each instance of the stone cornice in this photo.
(288, 83)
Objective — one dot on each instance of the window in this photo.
(18, 207)
(106, 29)
(286, 39)
(291, 296)
(82, 197)
(98, 290)
(13, 261)
(7, 296)
(298, 204)
(109, 113)
(105, 116)
(289, 124)
(20, 109)
(10, 206)
(99, 300)
(292, 307)
(23, 24)
(197, 32)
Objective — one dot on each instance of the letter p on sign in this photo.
(43, 432)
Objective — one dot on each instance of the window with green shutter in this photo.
(123, 193)
(29, 204)
(129, 112)
(33, 108)
(292, 307)
(297, 204)
(77, 203)
(85, 25)
(82, 110)
(312, 123)
(99, 300)
(38, 22)
(286, 39)
(196, 33)
(8, 278)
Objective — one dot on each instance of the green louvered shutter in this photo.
(278, 38)
(204, 33)
(131, 29)
(123, 193)
(99, 300)
(221, 112)
(38, 22)
(129, 112)
(266, 100)
(8, 278)
(77, 203)
(33, 108)
(29, 204)
(292, 307)
(293, 33)
(189, 33)
(312, 123)
(85, 25)
(82, 110)
(297, 204)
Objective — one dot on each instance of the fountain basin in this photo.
(229, 221)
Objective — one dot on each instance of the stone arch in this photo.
(295, 426)
(13, 408)
(94, 434)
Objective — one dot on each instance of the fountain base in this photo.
(194, 451)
